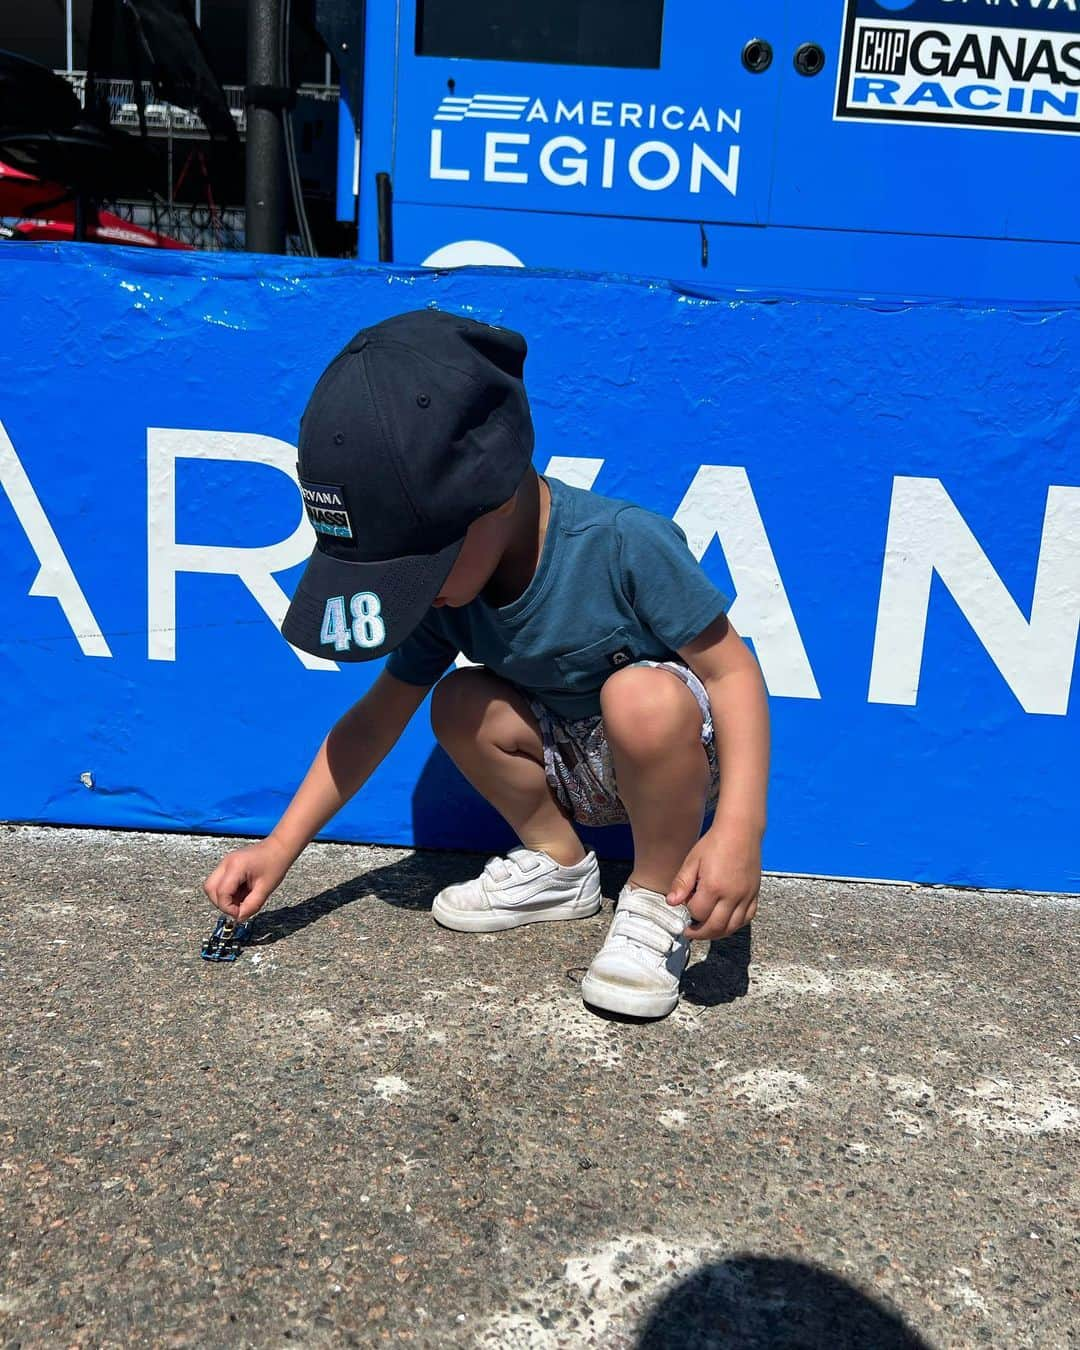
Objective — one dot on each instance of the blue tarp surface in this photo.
(891, 491)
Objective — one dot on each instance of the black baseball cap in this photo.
(418, 427)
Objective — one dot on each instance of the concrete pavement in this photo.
(859, 1128)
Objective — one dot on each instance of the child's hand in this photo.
(243, 881)
(719, 881)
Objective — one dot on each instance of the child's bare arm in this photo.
(740, 712)
(721, 877)
(355, 747)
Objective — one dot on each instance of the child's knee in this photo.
(470, 703)
(455, 698)
(647, 710)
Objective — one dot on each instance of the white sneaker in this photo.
(638, 969)
(526, 886)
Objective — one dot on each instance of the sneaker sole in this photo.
(632, 1002)
(496, 920)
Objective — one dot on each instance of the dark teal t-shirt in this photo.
(615, 583)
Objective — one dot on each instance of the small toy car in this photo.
(225, 941)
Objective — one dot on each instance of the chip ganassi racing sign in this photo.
(1004, 64)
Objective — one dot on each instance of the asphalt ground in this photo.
(858, 1129)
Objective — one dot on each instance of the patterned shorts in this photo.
(577, 758)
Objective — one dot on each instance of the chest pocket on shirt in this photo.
(588, 667)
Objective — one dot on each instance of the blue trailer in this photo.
(881, 147)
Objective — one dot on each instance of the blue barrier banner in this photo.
(891, 492)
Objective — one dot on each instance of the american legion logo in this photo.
(585, 143)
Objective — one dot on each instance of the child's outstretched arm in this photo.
(357, 744)
(721, 877)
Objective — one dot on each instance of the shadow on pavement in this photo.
(456, 831)
(767, 1303)
(408, 883)
(413, 882)
(724, 973)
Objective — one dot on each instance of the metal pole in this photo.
(70, 31)
(265, 159)
(384, 198)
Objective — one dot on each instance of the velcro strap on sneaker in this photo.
(522, 861)
(671, 917)
(497, 869)
(526, 859)
(643, 932)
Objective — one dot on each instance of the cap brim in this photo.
(400, 591)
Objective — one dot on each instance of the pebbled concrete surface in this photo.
(371, 1131)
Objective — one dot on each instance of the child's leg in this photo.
(486, 727)
(652, 723)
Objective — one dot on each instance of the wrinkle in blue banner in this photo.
(890, 492)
